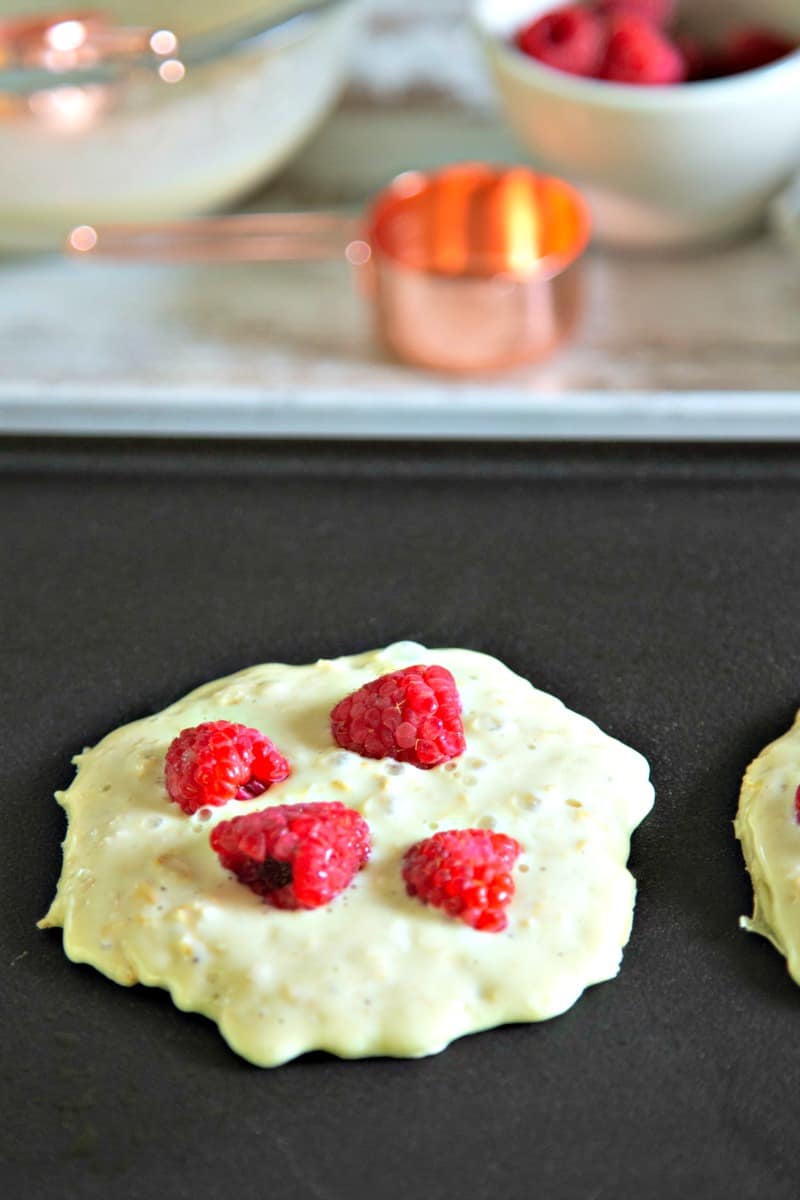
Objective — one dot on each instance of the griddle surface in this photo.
(655, 590)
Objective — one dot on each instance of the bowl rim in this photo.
(546, 268)
(607, 94)
(292, 25)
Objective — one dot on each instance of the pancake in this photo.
(144, 898)
(768, 828)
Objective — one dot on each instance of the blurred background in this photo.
(682, 331)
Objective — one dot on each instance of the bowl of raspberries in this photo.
(679, 119)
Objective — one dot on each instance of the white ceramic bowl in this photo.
(119, 143)
(659, 165)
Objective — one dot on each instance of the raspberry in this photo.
(570, 39)
(467, 872)
(218, 761)
(797, 805)
(749, 49)
(294, 855)
(657, 12)
(639, 53)
(413, 715)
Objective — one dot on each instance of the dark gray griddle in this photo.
(656, 590)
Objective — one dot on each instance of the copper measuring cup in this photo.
(469, 268)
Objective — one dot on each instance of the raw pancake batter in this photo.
(768, 826)
(144, 898)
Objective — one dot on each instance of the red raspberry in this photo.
(294, 855)
(413, 715)
(467, 872)
(639, 53)
(657, 12)
(797, 805)
(218, 761)
(749, 49)
(570, 39)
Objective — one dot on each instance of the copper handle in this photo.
(244, 237)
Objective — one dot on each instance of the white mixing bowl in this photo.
(659, 165)
(120, 142)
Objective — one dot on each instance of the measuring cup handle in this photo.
(244, 237)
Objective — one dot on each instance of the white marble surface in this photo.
(703, 345)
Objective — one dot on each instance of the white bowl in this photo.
(659, 165)
(119, 143)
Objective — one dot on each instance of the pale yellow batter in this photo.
(769, 832)
(143, 897)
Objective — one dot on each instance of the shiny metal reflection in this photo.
(71, 40)
(477, 268)
(469, 268)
